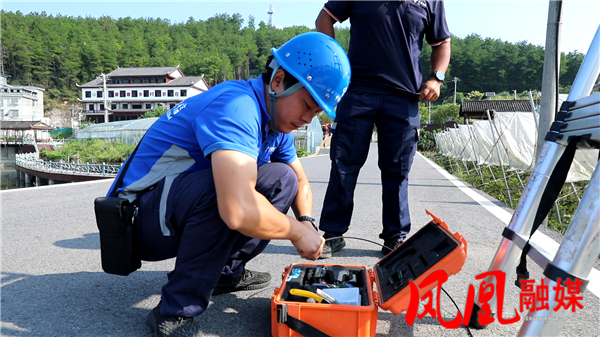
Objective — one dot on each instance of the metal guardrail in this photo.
(56, 143)
(11, 140)
(29, 141)
(31, 161)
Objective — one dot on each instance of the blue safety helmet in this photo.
(319, 63)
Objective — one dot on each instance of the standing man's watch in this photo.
(438, 75)
(311, 219)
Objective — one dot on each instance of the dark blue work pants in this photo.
(204, 246)
(397, 120)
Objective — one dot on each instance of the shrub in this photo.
(301, 152)
(426, 141)
(90, 151)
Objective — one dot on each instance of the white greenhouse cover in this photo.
(510, 140)
(128, 132)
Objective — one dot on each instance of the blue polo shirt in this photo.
(386, 39)
(229, 116)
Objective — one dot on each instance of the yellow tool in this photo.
(307, 294)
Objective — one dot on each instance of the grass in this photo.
(489, 179)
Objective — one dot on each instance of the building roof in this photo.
(184, 81)
(134, 72)
(24, 87)
(178, 82)
(4, 84)
(479, 107)
(24, 125)
(147, 71)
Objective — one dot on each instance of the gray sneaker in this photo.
(170, 326)
(331, 246)
(249, 280)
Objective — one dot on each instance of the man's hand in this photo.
(430, 91)
(310, 244)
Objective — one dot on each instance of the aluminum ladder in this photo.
(578, 117)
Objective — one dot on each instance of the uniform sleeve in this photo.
(286, 151)
(339, 10)
(230, 122)
(437, 31)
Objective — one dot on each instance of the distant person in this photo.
(386, 39)
(219, 171)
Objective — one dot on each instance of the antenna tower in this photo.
(270, 11)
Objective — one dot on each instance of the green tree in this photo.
(156, 112)
(445, 113)
(56, 52)
(474, 95)
(424, 113)
(324, 118)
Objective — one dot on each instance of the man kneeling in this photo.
(214, 177)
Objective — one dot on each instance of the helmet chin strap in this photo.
(273, 96)
(272, 112)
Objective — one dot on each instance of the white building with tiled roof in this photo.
(131, 92)
(20, 103)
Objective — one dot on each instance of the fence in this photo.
(508, 142)
(300, 143)
(31, 161)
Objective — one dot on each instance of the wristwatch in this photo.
(438, 75)
(311, 219)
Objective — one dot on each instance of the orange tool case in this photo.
(431, 248)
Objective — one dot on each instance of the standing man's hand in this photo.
(440, 58)
(310, 244)
(430, 91)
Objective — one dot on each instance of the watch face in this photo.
(439, 75)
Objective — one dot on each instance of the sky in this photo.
(511, 21)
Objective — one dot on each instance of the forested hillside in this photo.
(56, 52)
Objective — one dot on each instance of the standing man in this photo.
(214, 177)
(386, 39)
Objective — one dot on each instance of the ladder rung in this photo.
(594, 135)
(537, 252)
(590, 111)
(585, 101)
(582, 124)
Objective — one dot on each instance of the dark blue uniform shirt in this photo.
(387, 39)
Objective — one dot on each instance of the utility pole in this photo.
(1, 57)
(429, 120)
(455, 80)
(105, 98)
(72, 114)
(550, 76)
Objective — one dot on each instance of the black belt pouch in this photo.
(118, 235)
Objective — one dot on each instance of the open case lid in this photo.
(431, 248)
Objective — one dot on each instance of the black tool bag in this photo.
(118, 235)
(116, 220)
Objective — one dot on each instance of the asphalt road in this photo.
(52, 283)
